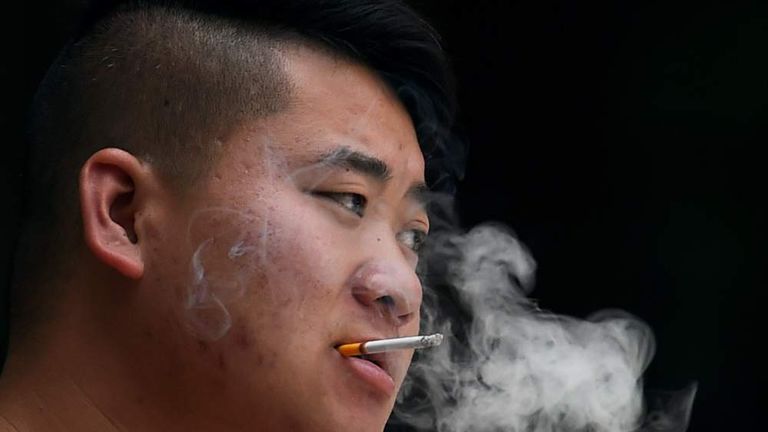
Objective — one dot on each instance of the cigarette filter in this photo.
(384, 345)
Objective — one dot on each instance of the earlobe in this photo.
(109, 205)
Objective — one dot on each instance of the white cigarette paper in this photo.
(384, 345)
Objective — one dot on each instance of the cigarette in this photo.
(384, 345)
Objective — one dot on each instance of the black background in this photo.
(619, 139)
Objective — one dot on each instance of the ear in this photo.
(109, 181)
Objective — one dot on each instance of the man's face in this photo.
(302, 238)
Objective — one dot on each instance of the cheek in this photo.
(283, 262)
(223, 267)
(291, 305)
(278, 267)
(301, 267)
(255, 289)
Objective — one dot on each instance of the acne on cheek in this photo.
(248, 263)
(227, 355)
(225, 274)
(216, 312)
(244, 341)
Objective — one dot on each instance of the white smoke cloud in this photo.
(506, 365)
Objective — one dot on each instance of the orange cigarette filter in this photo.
(353, 349)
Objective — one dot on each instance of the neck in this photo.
(69, 374)
(105, 366)
(56, 392)
(47, 386)
(34, 403)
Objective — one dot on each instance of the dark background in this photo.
(619, 139)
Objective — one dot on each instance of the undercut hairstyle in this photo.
(170, 81)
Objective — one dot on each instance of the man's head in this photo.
(250, 196)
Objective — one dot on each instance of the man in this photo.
(218, 199)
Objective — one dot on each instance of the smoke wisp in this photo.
(507, 365)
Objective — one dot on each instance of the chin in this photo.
(360, 414)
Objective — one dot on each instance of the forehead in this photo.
(335, 103)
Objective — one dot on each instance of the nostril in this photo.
(388, 307)
(387, 301)
(405, 318)
(388, 291)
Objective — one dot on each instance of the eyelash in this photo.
(418, 239)
(357, 206)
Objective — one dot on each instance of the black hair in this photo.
(386, 35)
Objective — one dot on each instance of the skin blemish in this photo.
(209, 319)
(242, 338)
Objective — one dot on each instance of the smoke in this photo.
(507, 365)
(216, 282)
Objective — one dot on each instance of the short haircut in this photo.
(168, 81)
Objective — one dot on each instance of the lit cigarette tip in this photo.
(384, 345)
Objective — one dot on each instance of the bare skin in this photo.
(221, 310)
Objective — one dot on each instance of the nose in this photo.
(390, 289)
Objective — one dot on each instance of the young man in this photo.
(218, 199)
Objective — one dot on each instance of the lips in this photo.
(377, 359)
(373, 370)
(371, 374)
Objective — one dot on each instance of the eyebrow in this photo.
(372, 167)
(369, 166)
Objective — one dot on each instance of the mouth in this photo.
(373, 371)
(376, 359)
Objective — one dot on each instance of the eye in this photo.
(353, 202)
(412, 239)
